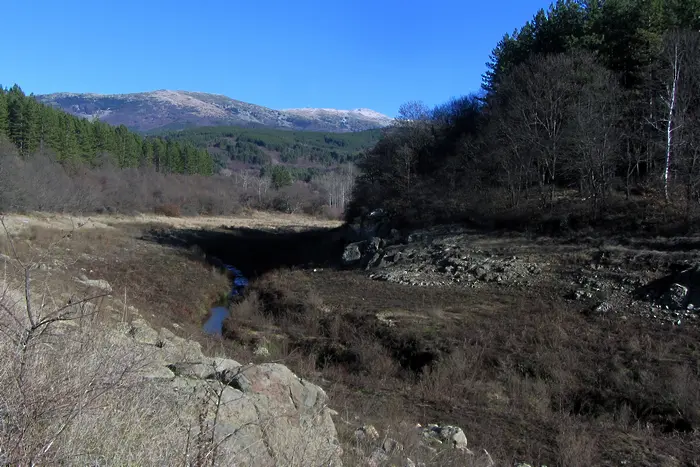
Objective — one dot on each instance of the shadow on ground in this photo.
(257, 251)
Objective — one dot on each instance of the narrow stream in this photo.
(215, 323)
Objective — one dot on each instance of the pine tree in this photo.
(159, 154)
(146, 153)
(86, 141)
(68, 150)
(33, 113)
(17, 119)
(4, 119)
(51, 129)
(173, 158)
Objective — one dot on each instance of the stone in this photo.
(676, 296)
(353, 253)
(95, 283)
(582, 294)
(455, 436)
(366, 432)
(377, 458)
(375, 244)
(198, 370)
(261, 351)
(391, 446)
(376, 260)
(450, 435)
(265, 414)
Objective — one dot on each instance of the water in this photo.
(215, 323)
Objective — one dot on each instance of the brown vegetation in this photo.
(41, 184)
(526, 374)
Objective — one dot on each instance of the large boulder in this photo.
(363, 253)
(253, 415)
(353, 253)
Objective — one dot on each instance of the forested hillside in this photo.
(34, 127)
(265, 146)
(52, 161)
(590, 112)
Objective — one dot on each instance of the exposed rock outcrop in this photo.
(432, 257)
(257, 415)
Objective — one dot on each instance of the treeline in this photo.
(36, 128)
(52, 161)
(261, 146)
(589, 110)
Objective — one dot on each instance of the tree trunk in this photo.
(669, 123)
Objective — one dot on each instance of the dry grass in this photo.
(73, 389)
(247, 219)
(527, 377)
(68, 393)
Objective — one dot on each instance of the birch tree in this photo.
(674, 96)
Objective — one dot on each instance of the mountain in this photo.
(172, 110)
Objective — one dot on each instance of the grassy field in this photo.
(528, 374)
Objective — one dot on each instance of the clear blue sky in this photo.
(278, 53)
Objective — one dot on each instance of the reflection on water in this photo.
(214, 324)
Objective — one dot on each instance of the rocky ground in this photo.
(538, 351)
(609, 277)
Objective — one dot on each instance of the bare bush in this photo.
(70, 394)
(40, 183)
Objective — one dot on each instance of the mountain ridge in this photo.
(175, 109)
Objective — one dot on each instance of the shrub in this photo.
(169, 210)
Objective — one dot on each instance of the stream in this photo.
(215, 323)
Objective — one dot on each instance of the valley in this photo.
(527, 363)
(502, 273)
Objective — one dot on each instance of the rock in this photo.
(375, 244)
(582, 294)
(376, 260)
(220, 369)
(391, 446)
(199, 370)
(258, 414)
(261, 351)
(377, 458)
(451, 435)
(95, 283)
(353, 253)
(676, 296)
(454, 435)
(366, 432)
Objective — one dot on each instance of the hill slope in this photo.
(164, 109)
(232, 146)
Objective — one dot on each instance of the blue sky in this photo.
(281, 54)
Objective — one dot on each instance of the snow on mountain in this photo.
(166, 109)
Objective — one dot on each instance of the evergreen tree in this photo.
(32, 126)
(280, 176)
(18, 119)
(68, 150)
(4, 119)
(147, 151)
(173, 158)
(159, 154)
